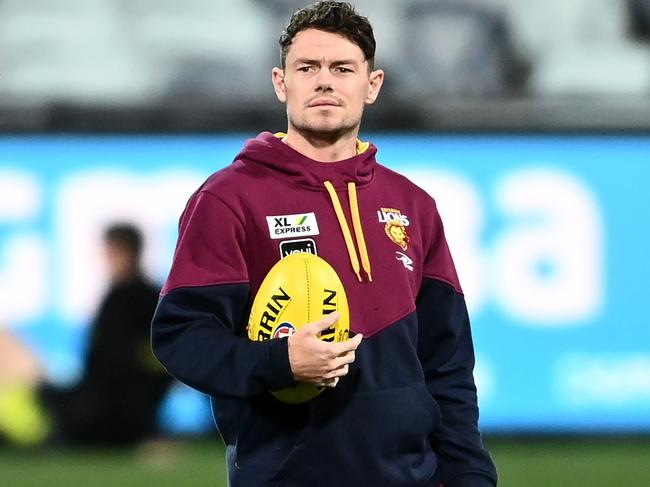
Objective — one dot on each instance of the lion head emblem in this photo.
(396, 231)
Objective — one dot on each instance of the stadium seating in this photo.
(218, 53)
(68, 51)
(578, 46)
(639, 11)
(454, 48)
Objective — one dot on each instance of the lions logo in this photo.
(396, 231)
(395, 227)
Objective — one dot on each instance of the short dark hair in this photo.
(336, 18)
(125, 235)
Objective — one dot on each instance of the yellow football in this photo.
(299, 289)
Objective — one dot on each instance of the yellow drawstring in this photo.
(358, 231)
(356, 220)
(354, 260)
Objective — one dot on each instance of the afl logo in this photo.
(284, 329)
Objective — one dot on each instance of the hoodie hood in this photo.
(357, 171)
(269, 150)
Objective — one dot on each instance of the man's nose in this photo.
(324, 80)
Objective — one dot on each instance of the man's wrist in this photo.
(279, 374)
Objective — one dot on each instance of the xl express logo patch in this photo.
(301, 224)
(395, 226)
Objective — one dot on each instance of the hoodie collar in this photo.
(269, 150)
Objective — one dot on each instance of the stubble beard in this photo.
(324, 134)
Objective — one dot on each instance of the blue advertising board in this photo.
(549, 235)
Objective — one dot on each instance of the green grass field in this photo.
(522, 462)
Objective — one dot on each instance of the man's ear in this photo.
(375, 82)
(278, 84)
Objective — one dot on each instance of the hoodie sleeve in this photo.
(199, 328)
(446, 352)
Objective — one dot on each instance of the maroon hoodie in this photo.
(406, 413)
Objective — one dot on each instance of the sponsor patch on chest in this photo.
(304, 245)
(287, 226)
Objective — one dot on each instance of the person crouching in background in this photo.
(122, 384)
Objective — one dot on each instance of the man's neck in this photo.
(321, 149)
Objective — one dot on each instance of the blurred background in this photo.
(527, 120)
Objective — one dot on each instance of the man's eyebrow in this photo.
(338, 62)
(345, 61)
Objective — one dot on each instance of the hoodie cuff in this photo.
(279, 373)
(470, 480)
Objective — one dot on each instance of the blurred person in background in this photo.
(122, 384)
(400, 408)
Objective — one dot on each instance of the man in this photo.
(122, 384)
(400, 407)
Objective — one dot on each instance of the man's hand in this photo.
(317, 362)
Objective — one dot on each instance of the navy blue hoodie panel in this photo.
(446, 352)
(199, 335)
(372, 429)
(380, 426)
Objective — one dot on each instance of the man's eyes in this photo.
(338, 69)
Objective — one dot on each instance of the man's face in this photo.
(325, 84)
(120, 260)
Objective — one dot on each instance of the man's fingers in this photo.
(327, 321)
(338, 372)
(342, 350)
(346, 358)
(320, 362)
(332, 382)
(348, 345)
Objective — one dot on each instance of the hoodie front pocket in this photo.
(376, 438)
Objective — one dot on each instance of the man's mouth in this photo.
(324, 102)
